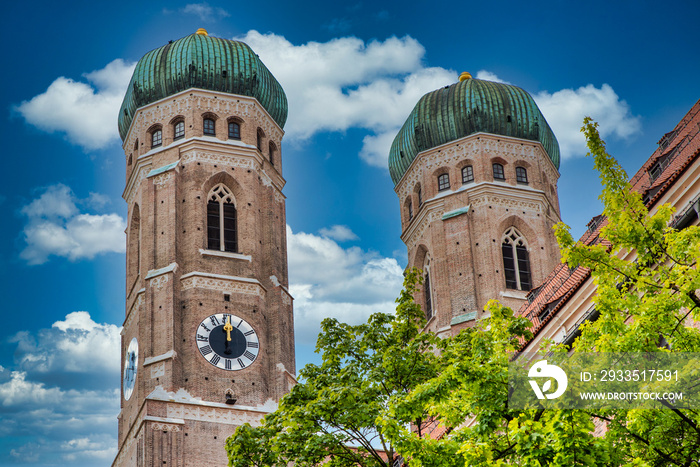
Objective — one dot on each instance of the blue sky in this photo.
(352, 73)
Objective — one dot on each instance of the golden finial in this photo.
(202, 32)
(465, 76)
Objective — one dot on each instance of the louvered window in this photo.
(222, 223)
(516, 261)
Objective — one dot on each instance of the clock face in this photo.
(131, 361)
(227, 342)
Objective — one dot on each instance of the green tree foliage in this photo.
(647, 278)
(330, 417)
(386, 385)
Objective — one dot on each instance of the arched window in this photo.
(498, 173)
(130, 159)
(261, 135)
(516, 261)
(410, 210)
(443, 182)
(156, 138)
(134, 241)
(272, 152)
(467, 174)
(521, 175)
(222, 228)
(179, 130)
(426, 289)
(234, 130)
(420, 197)
(209, 128)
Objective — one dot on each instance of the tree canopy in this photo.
(385, 387)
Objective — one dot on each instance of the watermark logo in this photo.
(542, 370)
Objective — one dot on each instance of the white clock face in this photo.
(227, 342)
(131, 361)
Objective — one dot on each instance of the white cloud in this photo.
(85, 112)
(19, 391)
(341, 233)
(347, 83)
(56, 227)
(489, 76)
(68, 421)
(331, 281)
(205, 11)
(565, 110)
(76, 345)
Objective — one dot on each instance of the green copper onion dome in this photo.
(204, 62)
(464, 108)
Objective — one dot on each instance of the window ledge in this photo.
(512, 293)
(226, 254)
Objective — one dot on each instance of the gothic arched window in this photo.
(179, 130)
(426, 289)
(521, 175)
(261, 135)
(273, 150)
(516, 261)
(222, 228)
(209, 128)
(443, 182)
(467, 174)
(498, 173)
(156, 138)
(234, 130)
(134, 240)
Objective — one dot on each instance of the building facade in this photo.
(560, 304)
(208, 337)
(475, 167)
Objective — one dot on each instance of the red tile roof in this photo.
(677, 150)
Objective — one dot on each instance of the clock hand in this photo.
(228, 328)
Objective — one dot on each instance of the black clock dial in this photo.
(233, 348)
(227, 342)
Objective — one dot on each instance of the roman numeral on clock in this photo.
(248, 333)
(202, 338)
(215, 359)
(249, 355)
(206, 350)
(253, 345)
(228, 363)
(240, 362)
(214, 320)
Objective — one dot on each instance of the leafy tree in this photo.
(330, 417)
(383, 383)
(644, 304)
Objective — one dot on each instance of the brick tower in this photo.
(208, 339)
(475, 167)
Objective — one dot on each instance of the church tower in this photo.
(475, 167)
(208, 339)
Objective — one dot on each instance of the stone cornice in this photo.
(223, 283)
(471, 147)
(231, 154)
(222, 102)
